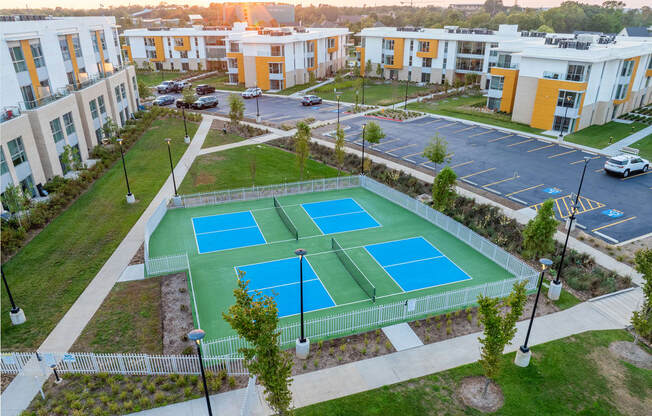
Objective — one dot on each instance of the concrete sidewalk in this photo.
(615, 148)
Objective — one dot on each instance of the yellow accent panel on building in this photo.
(262, 70)
(315, 63)
(240, 59)
(186, 43)
(399, 46)
(545, 101)
(129, 55)
(73, 57)
(99, 47)
(648, 73)
(432, 53)
(636, 60)
(31, 67)
(510, 78)
(337, 44)
(160, 49)
(362, 61)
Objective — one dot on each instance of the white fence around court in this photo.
(126, 364)
(164, 264)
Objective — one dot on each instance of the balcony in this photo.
(493, 93)
(566, 112)
(9, 113)
(34, 104)
(506, 65)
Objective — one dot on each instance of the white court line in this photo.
(413, 261)
(336, 215)
(228, 229)
(281, 285)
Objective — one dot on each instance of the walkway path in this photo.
(314, 87)
(615, 148)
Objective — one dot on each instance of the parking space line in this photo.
(564, 205)
(462, 164)
(477, 173)
(562, 154)
(448, 125)
(479, 134)
(464, 129)
(598, 170)
(526, 189)
(582, 160)
(524, 141)
(412, 154)
(500, 138)
(400, 147)
(634, 176)
(540, 148)
(501, 181)
(385, 142)
(613, 223)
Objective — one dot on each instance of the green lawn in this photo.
(220, 82)
(375, 93)
(230, 169)
(215, 137)
(297, 88)
(645, 147)
(598, 137)
(575, 375)
(152, 79)
(48, 274)
(452, 107)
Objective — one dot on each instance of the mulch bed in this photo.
(176, 314)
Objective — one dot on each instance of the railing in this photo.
(164, 264)
(30, 105)
(9, 112)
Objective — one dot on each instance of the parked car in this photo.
(205, 102)
(182, 104)
(204, 89)
(310, 100)
(163, 100)
(166, 87)
(252, 93)
(626, 164)
(183, 84)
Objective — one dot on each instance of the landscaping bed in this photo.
(395, 115)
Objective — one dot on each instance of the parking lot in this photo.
(276, 109)
(526, 170)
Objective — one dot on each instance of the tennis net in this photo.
(286, 220)
(354, 270)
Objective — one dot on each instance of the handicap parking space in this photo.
(525, 170)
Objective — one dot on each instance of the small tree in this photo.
(143, 90)
(236, 109)
(367, 68)
(498, 329)
(339, 149)
(110, 129)
(642, 320)
(373, 133)
(199, 66)
(188, 97)
(443, 189)
(446, 86)
(311, 77)
(255, 318)
(538, 235)
(302, 145)
(70, 158)
(15, 200)
(437, 150)
(379, 70)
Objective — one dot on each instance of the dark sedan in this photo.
(205, 102)
(310, 100)
(204, 89)
(180, 103)
(163, 100)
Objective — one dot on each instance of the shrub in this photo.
(159, 397)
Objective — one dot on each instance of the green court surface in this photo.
(213, 276)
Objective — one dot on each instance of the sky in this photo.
(106, 3)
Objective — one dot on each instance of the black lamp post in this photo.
(338, 94)
(185, 128)
(523, 353)
(174, 181)
(301, 252)
(561, 130)
(130, 197)
(362, 166)
(57, 379)
(407, 84)
(554, 293)
(197, 335)
(17, 315)
(363, 88)
(257, 110)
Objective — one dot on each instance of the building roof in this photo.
(142, 12)
(637, 31)
(195, 17)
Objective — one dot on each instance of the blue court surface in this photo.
(280, 280)
(415, 264)
(339, 215)
(226, 231)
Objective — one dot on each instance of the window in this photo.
(234, 47)
(331, 43)
(185, 66)
(28, 185)
(117, 94)
(16, 53)
(568, 99)
(310, 46)
(63, 43)
(562, 124)
(445, 47)
(99, 134)
(277, 50)
(69, 123)
(93, 106)
(310, 62)
(77, 46)
(275, 68)
(621, 91)
(444, 64)
(4, 168)
(388, 44)
(426, 62)
(424, 46)
(628, 66)
(28, 95)
(123, 90)
(122, 119)
(71, 77)
(57, 132)
(17, 151)
(496, 83)
(149, 42)
(151, 54)
(505, 61)
(101, 105)
(184, 54)
(196, 43)
(135, 84)
(103, 40)
(177, 41)
(493, 103)
(411, 45)
(410, 61)
(96, 48)
(389, 60)
(575, 73)
(37, 54)
(425, 77)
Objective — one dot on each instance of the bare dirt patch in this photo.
(204, 178)
(176, 314)
(5, 379)
(139, 257)
(632, 353)
(471, 392)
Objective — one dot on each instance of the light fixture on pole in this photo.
(196, 335)
(523, 354)
(130, 197)
(554, 291)
(362, 165)
(363, 88)
(16, 314)
(176, 199)
(407, 84)
(338, 94)
(257, 108)
(57, 379)
(302, 344)
(186, 138)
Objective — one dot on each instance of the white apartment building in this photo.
(61, 78)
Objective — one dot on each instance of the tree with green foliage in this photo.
(236, 109)
(339, 148)
(70, 159)
(373, 133)
(443, 189)
(498, 329)
(15, 200)
(189, 97)
(437, 150)
(143, 90)
(642, 319)
(379, 70)
(255, 319)
(110, 128)
(538, 235)
(367, 67)
(545, 29)
(311, 77)
(302, 146)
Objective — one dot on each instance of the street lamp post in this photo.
(16, 314)
(57, 379)
(302, 344)
(363, 88)
(176, 199)
(338, 94)
(523, 354)
(196, 335)
(362, 165)
(407, 84)
(186, 138)
(561, 130)
(257, 110)
(554, 291)
(130, 197)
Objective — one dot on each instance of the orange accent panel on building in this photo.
(315, 63)
(73, 57)
(362, 61)
(129, 55)
(337, 44)
(432, 53)
(636, 60)
(510, 79)
(185, 46)
(99, 47)
(31, 67)
(545, 101)
(240, 59)
(262, 70)
(160, 49)
(399, 46)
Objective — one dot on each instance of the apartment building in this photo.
(565, 84)
(62, 78)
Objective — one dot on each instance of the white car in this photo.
(252, 93)
(626, 164)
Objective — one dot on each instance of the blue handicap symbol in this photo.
(613, 213)
(552, 191)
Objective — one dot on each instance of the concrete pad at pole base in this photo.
(131, 199)
(554, 291)
(176, 201)
(303, 348)
(522, 358)
(17, 317)
(186, 139)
